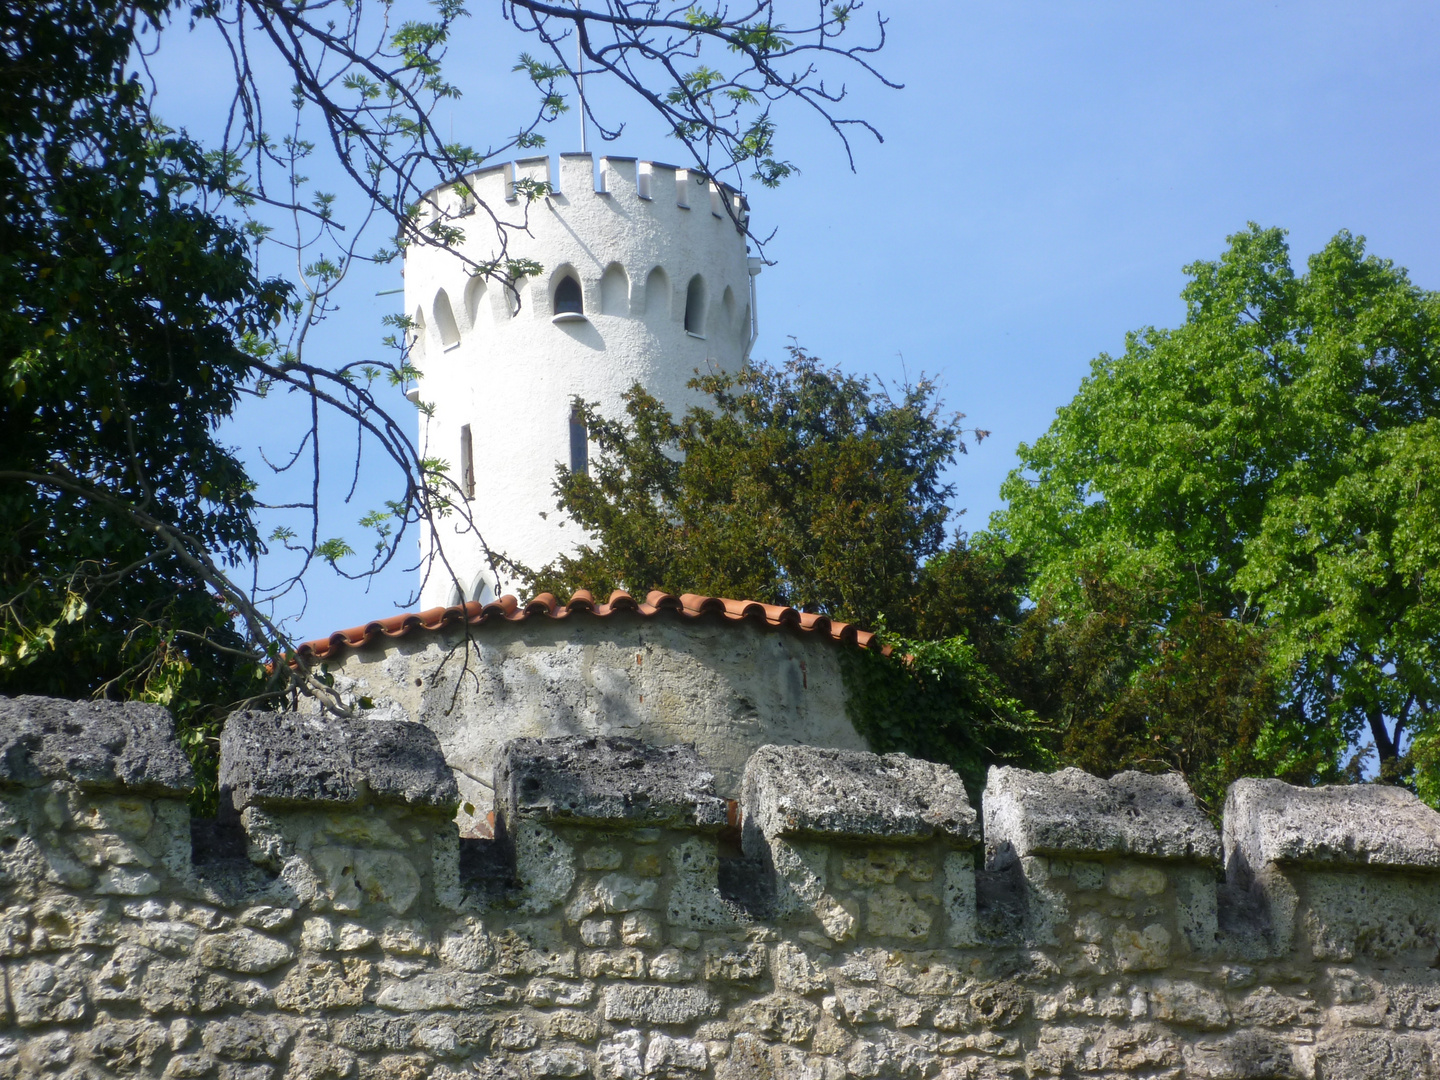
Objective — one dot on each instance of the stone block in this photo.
(1071, 813)
(99, 745)
(649, 1004)
(602, 779)
(800, 791)
(289, 759)
(1269, 821)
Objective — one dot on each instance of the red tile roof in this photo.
(508, 609)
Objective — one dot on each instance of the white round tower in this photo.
(646, 279)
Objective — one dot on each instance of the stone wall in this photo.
(848, 918)
(728, 687)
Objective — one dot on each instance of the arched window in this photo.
(445, 321)
(579, 442)
(615, 291)
(657, 294)
(467, 462)
(474, 298)
(727, 308)
(567, 297)
(480, 590)
(695, 307)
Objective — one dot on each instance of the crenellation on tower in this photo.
(638, 285)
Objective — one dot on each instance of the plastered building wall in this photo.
(727, 688)
(846, 919)
(645, 242)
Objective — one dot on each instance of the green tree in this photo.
(804, 486)
(797, 485)
(135, 318)
(1267, 463)
(127, 303)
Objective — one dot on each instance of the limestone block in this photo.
(126, 881)
(1181, 1001)
(1071, 813)
(652, 1004)
(665, 1054)
(695, 902)
(561, 1061)
(1374, 1055)
(1310, 855)
(641, 929)
(1146, 949)
(621, 1057)
(246, 1038)
(619, 893)
(465, 945)
(1269, 821)
(243, 950)
(314, 985)
(99, 745)
(893, 912)
(288, 759)
(800, 869)
(544, 865)
(315, 1060)
(958, 900)
(605, 779)
(443, 991)
(387, 878)
(42, 992)
(539, 949)
(799, 791)
(542, 992)
(124, 1045)
(783, 1017)
(1246, 1055)
(797, 972)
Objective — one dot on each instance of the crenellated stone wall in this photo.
(849, 917)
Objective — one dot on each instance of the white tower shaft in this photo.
(645, 280)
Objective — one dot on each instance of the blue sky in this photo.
(1046, 172)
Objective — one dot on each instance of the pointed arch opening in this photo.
(695, 307)
(445, 321)
(480, 589)
(657, 294)
(475, 293)
(615, 291)
(727, 308)
(568, 298)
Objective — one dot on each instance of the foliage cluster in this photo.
(1220, 559)
(1267, 464)
(797, 485)
(120, 351)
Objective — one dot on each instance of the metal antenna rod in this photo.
(580, 76)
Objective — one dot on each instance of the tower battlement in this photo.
(577, 178)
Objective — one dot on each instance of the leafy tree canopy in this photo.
(1270, 463)
(127, 303)
(797, 485)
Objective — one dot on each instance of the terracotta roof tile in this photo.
(546, 606)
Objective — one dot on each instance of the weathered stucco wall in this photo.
(727, 687)
(622, 926)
